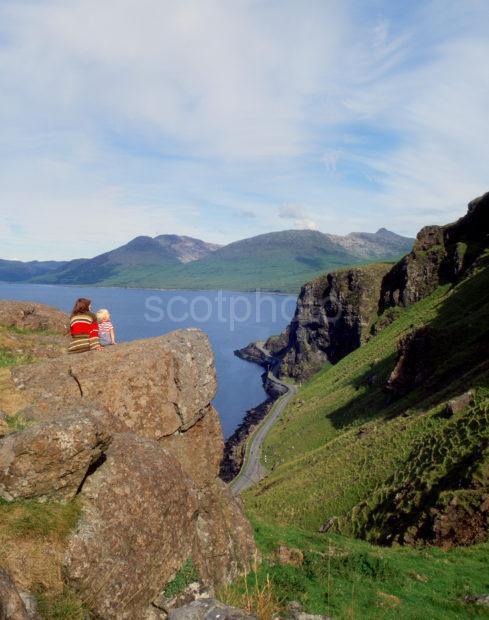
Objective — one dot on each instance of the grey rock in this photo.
(193, 592)
(481, 599)
(209, 609)
(459, 403)
(11, 604)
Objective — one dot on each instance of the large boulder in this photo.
(31, 316)
(142, 518)
(224, 546)
(133, 432)
(151, 387)
(136, 530)
(50, 460)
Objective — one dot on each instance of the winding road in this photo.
(252, 471)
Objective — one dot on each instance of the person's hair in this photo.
(82, 306)
(103, 315)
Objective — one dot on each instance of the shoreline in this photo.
(235, 446)
(150, 288)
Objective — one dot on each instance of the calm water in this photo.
(231, 320)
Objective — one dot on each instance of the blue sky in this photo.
(225, 119)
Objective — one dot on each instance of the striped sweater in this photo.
(84, 333)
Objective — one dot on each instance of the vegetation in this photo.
(346, 449)
(347, 578)
(185, 576)
(32, 536)
(280, 262)
(342, 436)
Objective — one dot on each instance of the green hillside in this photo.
(280, 261)
(342, 436)
(346, 449)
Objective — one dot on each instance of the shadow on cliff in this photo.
(453, 357)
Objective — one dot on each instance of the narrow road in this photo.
(252, 471)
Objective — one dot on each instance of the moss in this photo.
(185, 576)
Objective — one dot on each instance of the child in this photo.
(105, 327)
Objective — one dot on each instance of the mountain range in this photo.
(277, 261)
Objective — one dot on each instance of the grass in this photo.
(7, 358)
(64, 606)
(342, 436)
(348, 578)
(32, 544)
(185, 576)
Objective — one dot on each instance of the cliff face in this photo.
(331, 319)
(334, 312)
(440, 254)
(132, 434)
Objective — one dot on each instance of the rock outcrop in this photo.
(132, 433)
(413, 362)
(151, 390)
(50, 460)
(440, 254)
(331, 319)
(32, 331)
(136, 530)
(36, 317)
(336, 312)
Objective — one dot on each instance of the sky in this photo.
(224, 119)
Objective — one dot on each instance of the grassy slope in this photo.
(340, 437)
(348, 578)
(281, 274)
(338, 441)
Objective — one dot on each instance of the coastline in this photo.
(235, 445)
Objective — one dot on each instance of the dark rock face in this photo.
(334, 311)
(332, 316)
(440, 254)
(412, 366)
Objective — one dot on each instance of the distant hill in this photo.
(18, 271)
(278, 261)
(132, 260)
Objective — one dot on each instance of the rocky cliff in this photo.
(336, 312)
(332, 318)
(440, 254)
(131, 434)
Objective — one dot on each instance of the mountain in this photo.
(369, 245)
(141, 256)
(18, 271)
(278, 261)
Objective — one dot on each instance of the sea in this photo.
(230, 319)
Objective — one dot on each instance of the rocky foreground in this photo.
(131, 433)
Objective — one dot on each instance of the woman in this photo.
(83, 328)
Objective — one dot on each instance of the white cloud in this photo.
(168, 116)
(298, 215)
